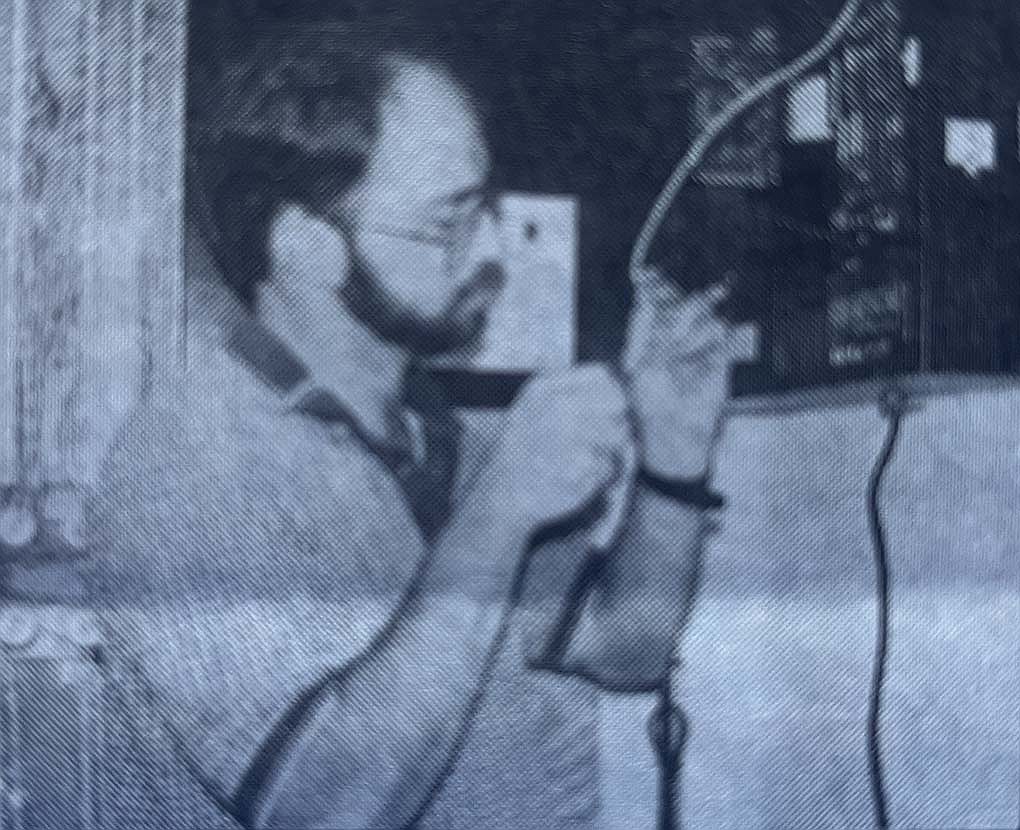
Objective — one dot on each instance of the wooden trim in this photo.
(91, 196)
(9, 125)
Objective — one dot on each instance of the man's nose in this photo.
(483, 253)
(487, 245)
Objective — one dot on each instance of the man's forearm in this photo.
(378, 740)
(627, 630)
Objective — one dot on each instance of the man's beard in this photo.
(455, 330)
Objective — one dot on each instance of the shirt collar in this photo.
(217, 319)
(274, 364)
(268, 357)
(215, 314)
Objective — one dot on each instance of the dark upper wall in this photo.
(591, 97)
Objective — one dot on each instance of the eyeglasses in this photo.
(453, 238)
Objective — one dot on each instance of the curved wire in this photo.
(836, 33)
(893, 407)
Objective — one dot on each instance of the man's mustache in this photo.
(489, 277)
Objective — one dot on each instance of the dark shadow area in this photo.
(601, 101)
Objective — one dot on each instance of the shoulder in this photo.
(202, 484)
(178, 439)
(214, 462)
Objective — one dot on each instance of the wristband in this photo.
(694, 492)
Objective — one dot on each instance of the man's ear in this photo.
(306, 253)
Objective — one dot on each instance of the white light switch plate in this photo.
(533, 324)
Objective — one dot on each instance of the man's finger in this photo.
(689, 315)
(571, 381)
(608, 462)
(714, 294)
(647, 276)
(607, 431)
(670, 339)
(588, 374)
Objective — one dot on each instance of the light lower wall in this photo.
(777, 656)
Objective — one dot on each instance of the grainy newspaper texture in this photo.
(508, 414)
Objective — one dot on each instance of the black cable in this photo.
(893, 407)
(667, 724)
(667, 730)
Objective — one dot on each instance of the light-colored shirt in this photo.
(244, 551)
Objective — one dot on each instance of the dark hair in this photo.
(292, 114)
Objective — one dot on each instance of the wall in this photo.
(776, 660)
(91, 108)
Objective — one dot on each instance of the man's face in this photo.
(423, 266)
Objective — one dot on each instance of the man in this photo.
(317, 617)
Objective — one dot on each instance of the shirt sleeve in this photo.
(235, 573)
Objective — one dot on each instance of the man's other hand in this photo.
(565, 442)
(677, 357)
